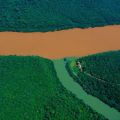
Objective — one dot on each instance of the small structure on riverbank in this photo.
(78, 64)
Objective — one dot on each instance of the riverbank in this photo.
(59, 44)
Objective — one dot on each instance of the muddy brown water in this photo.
(59, 44)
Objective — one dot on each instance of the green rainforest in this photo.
(30, 90)
(51, 15)
(36, 88)
(100, 76)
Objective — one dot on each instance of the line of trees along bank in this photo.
(50, 15)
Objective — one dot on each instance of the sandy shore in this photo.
(75, 42)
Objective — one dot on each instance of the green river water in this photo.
(75, 88)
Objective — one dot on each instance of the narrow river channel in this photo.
(93, 102)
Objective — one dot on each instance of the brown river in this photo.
(59, 44)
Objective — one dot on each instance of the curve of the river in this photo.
(93, 102)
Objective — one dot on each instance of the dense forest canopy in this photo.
(101, 77)
(49, 15)
(104, 65)
(30, 90)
